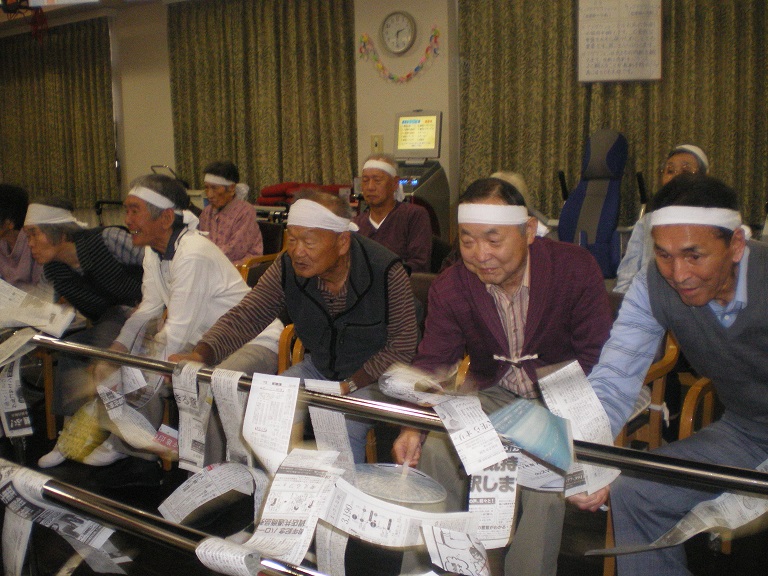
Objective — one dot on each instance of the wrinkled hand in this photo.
(103, 370)
(407, 446)
(189, 357)
(591, 502)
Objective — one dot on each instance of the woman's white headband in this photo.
(381, 165)
(720, 217)
(502, 214)
(151, 197)
(44, 214)
(217, 180)
(310, 214)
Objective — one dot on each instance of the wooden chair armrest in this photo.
(702, 393)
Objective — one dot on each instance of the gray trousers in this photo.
(536, 542)
(643, 509)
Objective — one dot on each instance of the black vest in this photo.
(104, 281)
(340, 345)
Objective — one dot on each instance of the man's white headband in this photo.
(43, 214)
(310, 214)
(381, 165)
(720, 217)
(152, 197)
(217, 180)
(502, 214)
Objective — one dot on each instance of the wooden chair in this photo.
(252, 270)
(645, 425)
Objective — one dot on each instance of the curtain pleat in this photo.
(524, 110)
(57, 135)
(267, 84)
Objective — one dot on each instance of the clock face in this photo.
(398, 30)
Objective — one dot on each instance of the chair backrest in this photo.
(290, 350)
(272, 234)
(590, 215)
(252, 270)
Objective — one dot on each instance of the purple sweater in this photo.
(569, 317)
(406, 231)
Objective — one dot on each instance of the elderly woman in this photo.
(229, 220)
(17, 267)
(99, 272)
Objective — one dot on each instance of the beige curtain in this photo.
(267, 84)
(523, 108)
(57, 132)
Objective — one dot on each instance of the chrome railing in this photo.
(673, 469)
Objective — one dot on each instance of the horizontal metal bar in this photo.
(675, 469)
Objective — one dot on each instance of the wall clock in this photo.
(398, 32)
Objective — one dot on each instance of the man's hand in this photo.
(102, 370)
(407, 446)
(591, 502)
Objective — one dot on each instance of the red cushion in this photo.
(277, 189)
(270, 201)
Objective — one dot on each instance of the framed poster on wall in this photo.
(619, 40)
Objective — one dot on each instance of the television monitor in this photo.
(417, 134)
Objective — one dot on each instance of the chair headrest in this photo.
(605, 155)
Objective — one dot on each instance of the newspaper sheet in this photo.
(568, 394)
(385, 524)
(537, 431)
(194, 401)
(231, 402)
(412, 385)
(16, 532)
(728, 510)
(18, 308)
(14, 415)
(531, 473)
(471, 432)
(224, 557)
(456, 551)
(99, 560)
(210, 483)
(330, 548)
(492, 498)
(17, 345)
(330, 429)
(133, 427)
(269, 418)
(325, 386)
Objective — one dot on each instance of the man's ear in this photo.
(530, 229)
(345, 239)
(738, 243)
(168, 217)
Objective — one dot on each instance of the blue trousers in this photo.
(644, 509)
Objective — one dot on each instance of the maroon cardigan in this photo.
(569, 316)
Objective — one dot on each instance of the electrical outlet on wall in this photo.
(377, 143)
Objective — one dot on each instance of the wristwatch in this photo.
(351, 386)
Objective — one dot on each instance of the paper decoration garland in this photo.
(367, 49)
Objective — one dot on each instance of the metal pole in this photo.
(676, 469)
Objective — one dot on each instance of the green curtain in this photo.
(267, 84)
(524, 110)
(57, 132)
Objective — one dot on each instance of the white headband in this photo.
(217, 180)
(502, 214)
(310, 214)
(381, 165)
(152, 197)
(43, 214)
(720, 217)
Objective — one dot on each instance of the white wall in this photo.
(143, 89)
(435, 88)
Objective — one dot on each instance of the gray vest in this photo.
(735, 358)
(340, 345)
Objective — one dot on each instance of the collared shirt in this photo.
(513, 311)
(234, 229)
(635, 338)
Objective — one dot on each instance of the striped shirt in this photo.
(513, 311)
(263, 303)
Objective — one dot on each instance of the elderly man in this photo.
(349, 298)
(98, 271)
(185, 275)
(511, 295)
(707, 285)
(403, 228)
(17, 267)
(229, 220)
